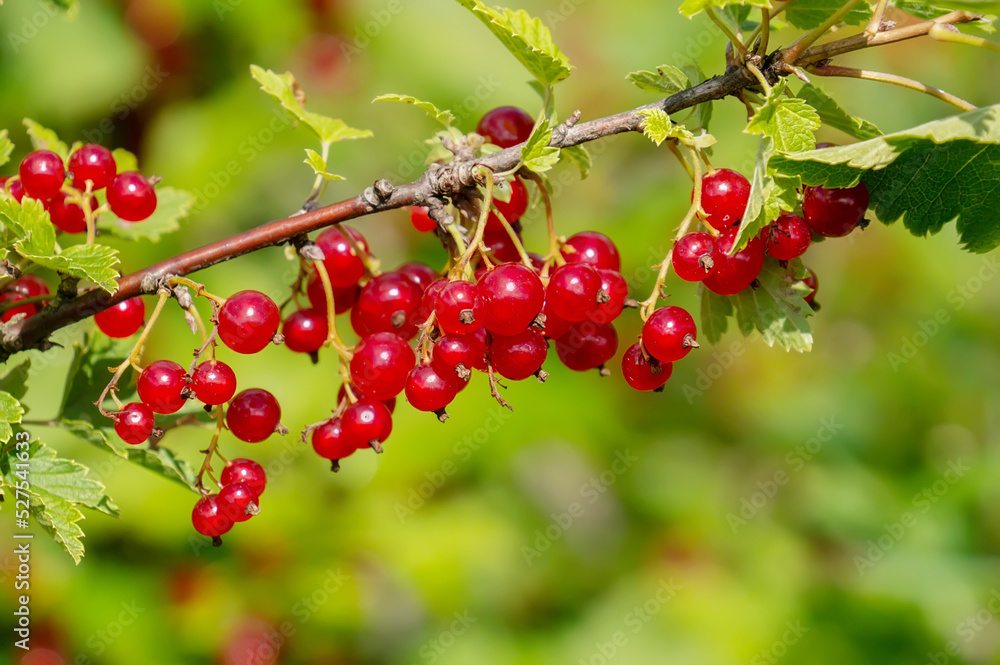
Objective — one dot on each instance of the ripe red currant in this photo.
(694, 257)
(343, 264)
(30, 286)
(94, 163)
(123, 319)
(613, 284)
(724, 197)
(134, 423)
(68, 217)
(555, 325)
(572, 291)
(380, 365)
(388, 303)
(593, 248)
(519, 356)
(367, 422)
(450, 351)
(207, 519)
(458, 308)
(506, 126)
(160, 385)
(213, 382)
(502, 248)
(419, 273)
(42, 174)
(834, 212)
(643, 374)
(248, 321)
(510, 297)
(343, 297)
(131, 197)
(235, 501)
(306, 330)
(11, 297)
(16, 189)
(421, 220)
(787, 237)
(329, 442)
(430, 390)
(735, 272)
(511, 210)
(669, 334)
(587, 345)
(246, 471)
(429, 300)
(253, 415)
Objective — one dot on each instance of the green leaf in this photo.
(126, 161)
(318, 164)
(761, 206)
(89, 371)
(29, 223)
(789, 121)
(15, 381)
(59, 519)
(775, 309)
(287, 92)
(527, 38)
(927, 10)
(809, 14)
(10, 412)
(715, 313)
(667, 80)
(6, 147)
(445, 117)
(691, 7)
(830, 113)
(537, 155)
(658, 127)
(94, 262)
(942, 171)
(172, 205)
(45, 139)
(579, 155)
(165, 463)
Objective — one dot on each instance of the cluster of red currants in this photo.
(243, 481)
(91, 168)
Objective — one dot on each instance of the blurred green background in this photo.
(833, 507)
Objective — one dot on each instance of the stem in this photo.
(894, 80)
(518, 245)
(765, 25)
(737, 44)
(944, 34)
(199, 289)
(760, 78)
(550, 222)
(206, 466)
(876, 21)
(333, 338)
(11, 304)
(807, 40)
(680, 158)
(477, 238)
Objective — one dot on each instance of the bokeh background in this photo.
(833, 507)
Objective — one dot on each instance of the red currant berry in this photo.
(10, 297)
(787, 237)
(94, 163)
(593, 248)
(669, 334)
(458, 308)
(430, 390)
(213, 382)
(68, 217)
(724, 197)
(429, 300)
(613, 284)
(30, 286)
(160, 386)
(342, 395)
(246, 471)
(248, 321)
(506, 126)
(572, 291)
(207, 519)
(388, 303)
(253, 415)
(510, 297)
(343, 264)
(366, 423)
(587, 345)
(420, 274)
(450, 351)
(329, 442)
(134, 423)
(131, 197)
(834, 212)
(511, 210)
(380, 365)
(735, 272)
(555, 325)
(235, 501)
(122, 320)
(519, 356)
(343, 297)
(421, 220)
(306, 330)
(502, 248)
(812, 282)
(694, 257)
(643, 374)
(42, 174)
(16, 189)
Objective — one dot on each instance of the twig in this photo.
(868, 75)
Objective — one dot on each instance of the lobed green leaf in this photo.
(789, 121)
(809, 14)
(445, 117)
(6, 147)
(830, 113)
(667, 80)
(43, 138)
